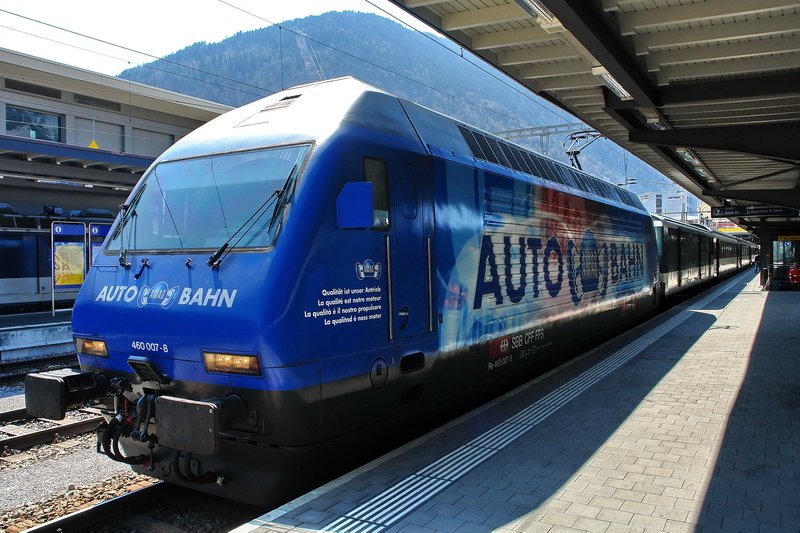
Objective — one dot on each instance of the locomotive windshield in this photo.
(200, 203)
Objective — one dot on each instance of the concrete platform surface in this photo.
(690, 422)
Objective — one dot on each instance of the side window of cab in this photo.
(375, 173)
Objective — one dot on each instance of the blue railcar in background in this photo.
(25, 256)
(293, 278)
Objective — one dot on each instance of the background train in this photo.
(292, 279)
(691, 254)
(25, 258)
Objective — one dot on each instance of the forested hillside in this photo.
(420, 67)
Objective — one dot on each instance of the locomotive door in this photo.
(411, 262)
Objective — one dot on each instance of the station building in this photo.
(73, 143)
(677, 205)
(73, 140)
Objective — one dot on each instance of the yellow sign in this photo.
(94, 144)
(735, 229)
(68, 263)
(789, 237)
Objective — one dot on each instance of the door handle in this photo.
(403, 315)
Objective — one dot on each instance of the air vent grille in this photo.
(30, 88)
(511, 156)
(96, 102)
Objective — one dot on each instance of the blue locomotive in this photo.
(316, 265)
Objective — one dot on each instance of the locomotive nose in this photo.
(174, 310)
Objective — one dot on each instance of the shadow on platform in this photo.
(545, 462)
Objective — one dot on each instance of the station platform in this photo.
(690, 422)
(30, 336)
(35, 319)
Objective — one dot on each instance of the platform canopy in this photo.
(707, 92)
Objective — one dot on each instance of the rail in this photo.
(17, 369)
(21, 437)
(107, 510)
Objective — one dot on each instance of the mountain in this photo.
(417, 66)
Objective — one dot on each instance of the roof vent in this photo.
(263, 116)
(283, 102)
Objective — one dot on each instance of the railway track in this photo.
(14, 371)
(156, 507)
(104, 511)
(16, 434)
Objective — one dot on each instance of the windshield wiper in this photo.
(283, 198)
(216, 258)
(123, 257)
(278, 196)
(123, 209)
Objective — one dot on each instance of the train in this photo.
(290, 280)
(691, 255)
(25, 256)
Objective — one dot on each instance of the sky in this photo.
(110, 36)
(154, 27)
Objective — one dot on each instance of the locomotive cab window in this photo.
(200, 203)
(375, 173)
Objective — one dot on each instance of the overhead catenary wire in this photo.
(372, 63)
(198, 103)
(262, 90)
(132, 50)
(428, 86)
(513, 86)
(281, 27)
(265, 90)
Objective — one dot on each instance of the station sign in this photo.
(68, 254)
(752, 211)
(97, 234)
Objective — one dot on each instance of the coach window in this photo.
(375, 173)
(32, 124)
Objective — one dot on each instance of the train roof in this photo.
(316, 111)
(313, 112)
(693, 228)
(486, 147)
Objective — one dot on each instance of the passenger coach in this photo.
(691, 255)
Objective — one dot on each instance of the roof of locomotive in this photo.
(312, 112)
(316, 111)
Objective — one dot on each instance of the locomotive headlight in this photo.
(232, 363)
(91, 347)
